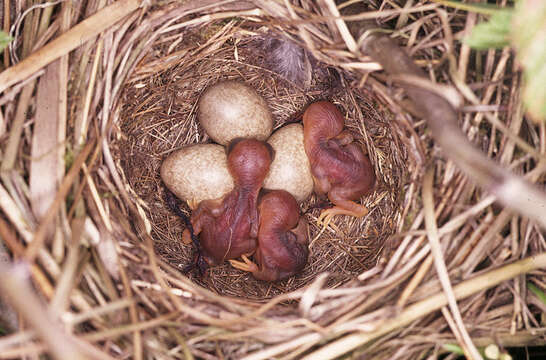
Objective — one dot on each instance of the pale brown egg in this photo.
(197, 172)
(290, 169)
(232, 109)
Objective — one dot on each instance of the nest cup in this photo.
(158, 116)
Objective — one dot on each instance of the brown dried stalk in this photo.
(432, 303)
(511, 190)
(67, 42)
(17, 290)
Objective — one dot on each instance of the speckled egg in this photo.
(290, 169)
(197, 172)
(232, 109)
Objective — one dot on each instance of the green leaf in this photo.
(535, 290)
(524, 28)
(494, 33)
(528, 37)
(4, 40)
(453, 348)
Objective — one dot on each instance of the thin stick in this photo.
(126, 329)
(7, 17)
(96, 312)
(82, 122)
(66, 282)
(12, 148)
(133, 313)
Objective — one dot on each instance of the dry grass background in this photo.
(82, 214)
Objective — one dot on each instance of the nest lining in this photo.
(159, 116)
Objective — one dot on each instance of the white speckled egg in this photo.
(232, 109)
(290, 169)
(197, 172)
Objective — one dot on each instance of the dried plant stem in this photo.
(46, 151)
(519, 339)
(12, 148)
(14, 214)
(18, 291)
(67, 42)
(511, 190)
(342, 27)
(415, 281)
(469, 95)
(137, 335)
(41, 232)
(82, 121)
(127, 329)
(433, 303)
(65, 284)
(439, 263)
(284, 347)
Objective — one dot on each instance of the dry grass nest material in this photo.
(132, 100)
(159, 116)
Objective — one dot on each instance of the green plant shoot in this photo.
(4, 40)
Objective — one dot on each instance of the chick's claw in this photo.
(351, 208)
(245, 265)
(324, 219)
(186, 237)
(193, 204)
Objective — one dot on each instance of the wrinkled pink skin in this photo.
(282, 237)
(338, 165)
(228, 227)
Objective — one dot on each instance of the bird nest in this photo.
(158, 116)
(83, 204)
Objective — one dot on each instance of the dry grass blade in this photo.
(17, 290)
(6, 26)
(342, 27)
(13, 213)
(432, 303)
(8, 317)
(441, 269)
(46, 145)
(415, 281)
(442, 119)
(61, 298)
(67, 42)
(12, 148)
(41, 232)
